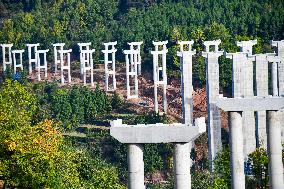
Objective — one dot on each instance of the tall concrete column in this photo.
(32, 60)
(261, 91)
(165, 78)
(57, 59)
(86, 58)
(109, 72)
(20, 65)
(248, 116)
(135, 166)
(186, 80)
(182, 163)
(236, 147)
(64, 66)
(187, 89)
(242, 86)
(280, 54)
(156, 73)
(274, 78)
(271, 57)
(83, 46)
(246, 77)
(39, 64)
(136, 46)
(113, 68)
(132, 71)
(212, 94)
(275, 150)
(127, 74)
(9, 60)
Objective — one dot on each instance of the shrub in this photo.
(219, 183)
(201, 179)
(259, 161)
(102, 102)
(116, 101)
(71, 106)
(17, 105)
(222, 166)
(97, 174)
(20, 76)
(77, 104)
(207, 180)
(151, 118)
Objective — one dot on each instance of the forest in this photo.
(72, 21)
(36, 152)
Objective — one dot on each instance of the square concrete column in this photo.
(136, 46)
(56, 48)
(20, 64)
(275, 78)
(132, 55)
(110, 72)
(186, 79)
(274, 60)
(280, 69)
(182, 161)
(212, 90)
(87, 64)
(261, 66)
(8, 60)
(32, 48)
(39, 64)
(157, 68)
(83, 46)
(247, 91)
(280, 54)
(65, 65)
(242, 87)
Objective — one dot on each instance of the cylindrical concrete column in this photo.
(236, 145)
(275, 150)
(135, 167)
(182, 164)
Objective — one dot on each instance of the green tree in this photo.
(222, 167)
(259, 161)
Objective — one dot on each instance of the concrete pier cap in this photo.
(246, 46)
(251, 104)
(157, 133)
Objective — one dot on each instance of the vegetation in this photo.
(259, 161)
(36, 156)
(73, 21)
(34, 153)
(72, 106)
